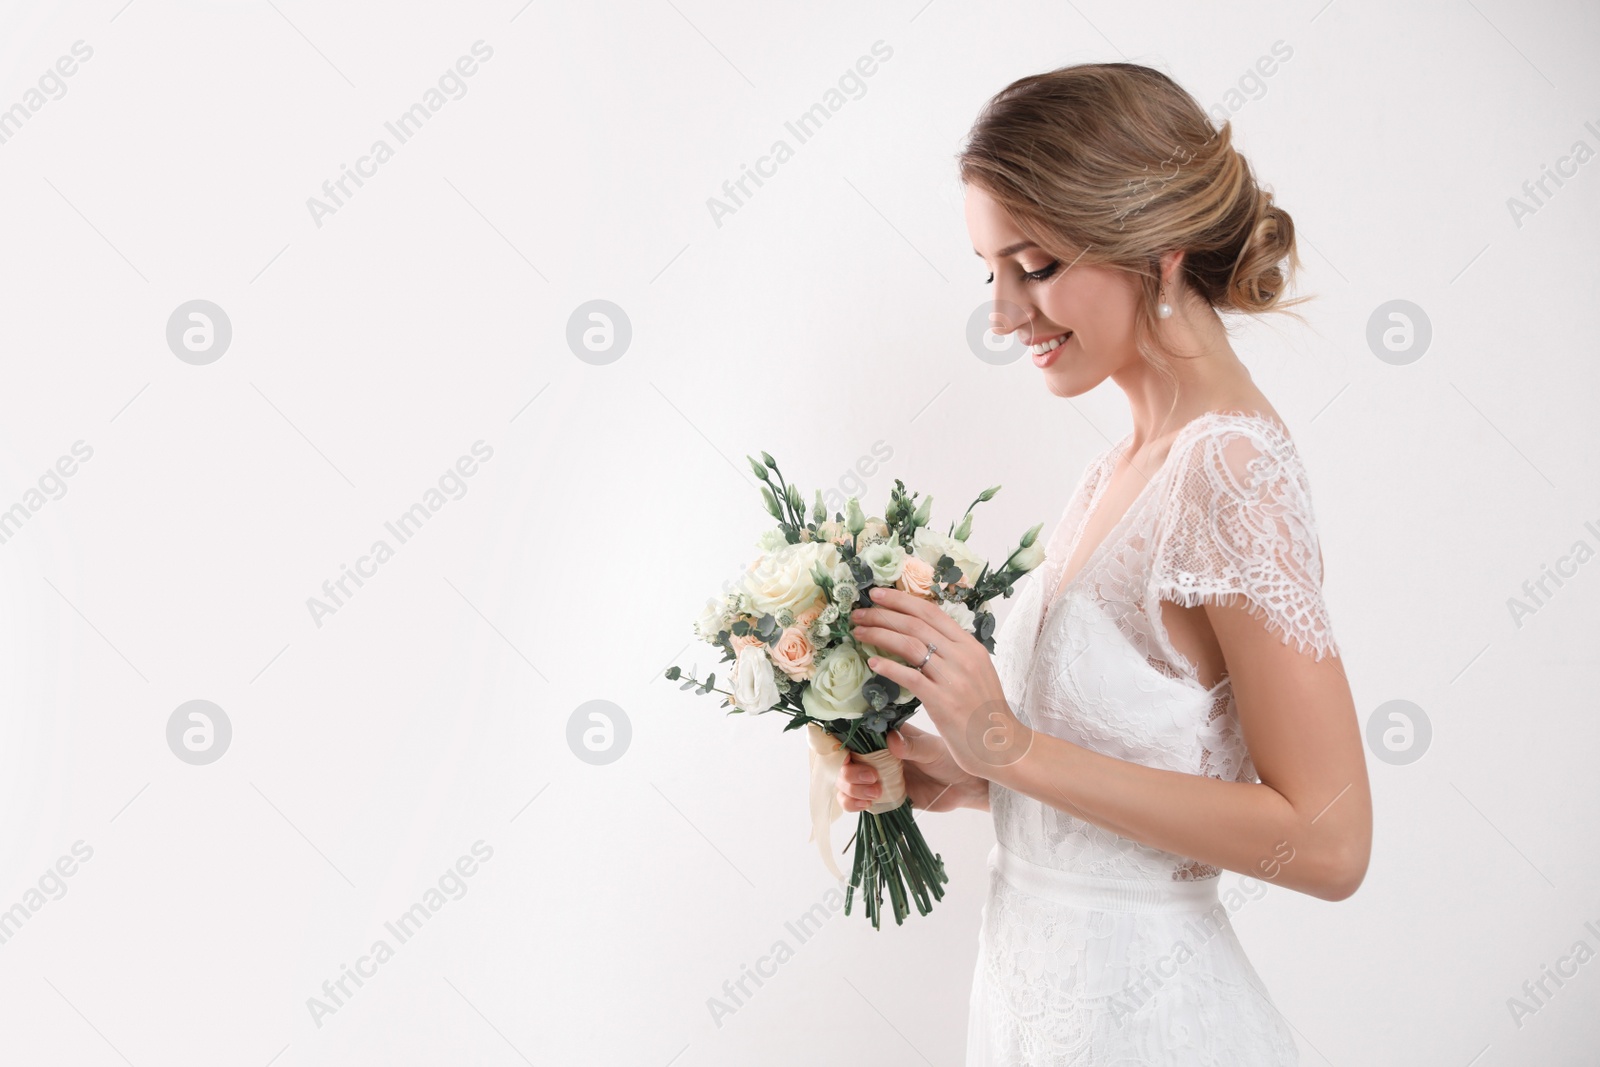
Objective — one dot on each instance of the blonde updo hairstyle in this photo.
(1115, 164)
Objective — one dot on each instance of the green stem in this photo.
(891, 853)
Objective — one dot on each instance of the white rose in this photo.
(835, 689)
(929, 546)
(962, 615)
(755, 689)
(782, 579)
(713, 619)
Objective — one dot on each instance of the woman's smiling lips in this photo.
(1047, 350)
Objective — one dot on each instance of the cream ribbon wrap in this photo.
(828, 755)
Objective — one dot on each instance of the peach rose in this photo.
(807, 617)
(793, 653)
(742, 642)
(916, 577)
(834, 532)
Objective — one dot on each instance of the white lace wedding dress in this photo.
(1094, 948)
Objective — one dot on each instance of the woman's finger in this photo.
(860, 790)
(918, 746)
(853, 801)
(908, 647)
(858, 781)
(925, 611)
(854, 771)
(891, 628)
(919, 682)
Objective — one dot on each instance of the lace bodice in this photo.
(1227, 518)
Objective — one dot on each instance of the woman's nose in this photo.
(1007, 316)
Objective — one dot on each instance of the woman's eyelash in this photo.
(1030, 275)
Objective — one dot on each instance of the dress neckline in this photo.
(1112, 455)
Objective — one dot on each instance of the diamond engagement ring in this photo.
(932, 648)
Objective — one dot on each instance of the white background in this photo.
(827, 313)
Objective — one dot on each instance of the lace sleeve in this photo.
(1239, 527)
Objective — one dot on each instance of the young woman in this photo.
(1166, 700)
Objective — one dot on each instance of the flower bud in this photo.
(1030, 555)
(854, 520)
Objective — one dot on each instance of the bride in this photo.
(1166, 700)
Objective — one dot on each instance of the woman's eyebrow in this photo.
(1010, 250)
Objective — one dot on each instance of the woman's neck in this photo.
(1206, 376)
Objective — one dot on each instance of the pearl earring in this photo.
(1164, 309)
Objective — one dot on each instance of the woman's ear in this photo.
(1171, 264)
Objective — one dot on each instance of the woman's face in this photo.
(1041, 298)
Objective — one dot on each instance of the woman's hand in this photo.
(933, 781)
(959, 686)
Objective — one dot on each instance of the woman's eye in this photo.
(1030, 275)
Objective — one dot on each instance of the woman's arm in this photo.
(1306, 826)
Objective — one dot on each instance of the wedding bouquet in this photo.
(785, 625)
